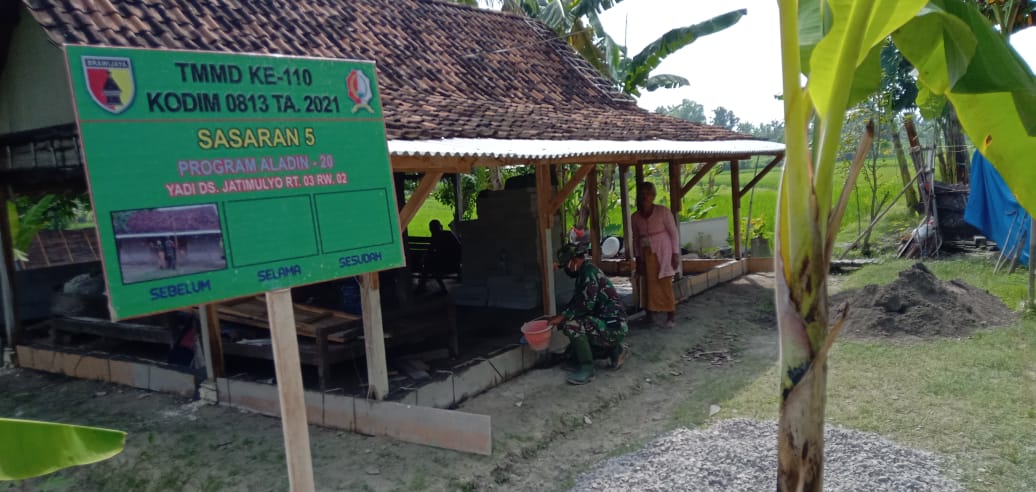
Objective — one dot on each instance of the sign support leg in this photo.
(374, 337)
(289, 389)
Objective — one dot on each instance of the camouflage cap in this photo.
(569, 251)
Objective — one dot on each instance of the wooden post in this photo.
(676, 201)
(10, 302)
(289, 388)
(458, 201)
(735, 191)
(595, 217)
(637, 280)
(624, 199)
(373, 337)
(209, 314)
(544, 219)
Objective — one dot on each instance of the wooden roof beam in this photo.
(762, 174)
(697, 177)
(424, 189)
(559, 198)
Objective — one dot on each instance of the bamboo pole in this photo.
(876, 219)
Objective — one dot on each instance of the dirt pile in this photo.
(918, 304)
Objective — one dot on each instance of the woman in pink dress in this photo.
(656, 247)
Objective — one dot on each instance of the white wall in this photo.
(34, 89)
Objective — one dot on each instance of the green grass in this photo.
(763, 202)
(972, 400)
(430, 209)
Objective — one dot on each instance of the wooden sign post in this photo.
(289, 388)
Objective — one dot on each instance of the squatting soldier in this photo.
(594, 318)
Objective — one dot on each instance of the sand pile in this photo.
(918, 304)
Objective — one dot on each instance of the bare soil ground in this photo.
(545, 432)
(917, 305)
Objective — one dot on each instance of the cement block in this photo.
(129, 374)
(475, 380)
(47, 361)
(340, 412)
(410, 398)
(509, 363)
(67, 363)
(726, 273)
(714, 277)
(448, 429)
(259, 398)
(438, 394)
(698, 284)
(223, 390)
(93, 368)
(314, 407)
(170, 381)
(24, 354)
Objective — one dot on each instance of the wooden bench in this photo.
(130, 332)
(329, 337)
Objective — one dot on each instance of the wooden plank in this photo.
(735, 191)
(556, 201)
(210, 328)
(425, 188)
(374, 337)
(702, 172)
(289, 388)
(449, 429)
(762, 174)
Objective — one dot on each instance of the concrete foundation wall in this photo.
(134, 374)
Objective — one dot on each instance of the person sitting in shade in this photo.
(443, 256)
(594, 318)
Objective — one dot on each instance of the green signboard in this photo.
(215, 176)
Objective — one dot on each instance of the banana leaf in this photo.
(31, 448)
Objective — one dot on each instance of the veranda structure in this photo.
(461, 88)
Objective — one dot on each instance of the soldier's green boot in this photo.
(584, 355)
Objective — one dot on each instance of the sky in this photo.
(738, 68)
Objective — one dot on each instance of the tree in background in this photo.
(687, 110)
(898, 94)
(724, 117)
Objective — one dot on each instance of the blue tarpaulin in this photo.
(993, 209)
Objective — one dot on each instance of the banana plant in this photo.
(836, 44)
(30, 448)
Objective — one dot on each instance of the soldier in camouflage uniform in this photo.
(594, 318)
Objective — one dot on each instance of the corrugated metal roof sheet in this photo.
(561, 149)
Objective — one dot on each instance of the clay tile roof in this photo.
(445, 70)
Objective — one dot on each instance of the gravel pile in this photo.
(741, 455)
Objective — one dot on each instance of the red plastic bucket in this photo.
(537, 333)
